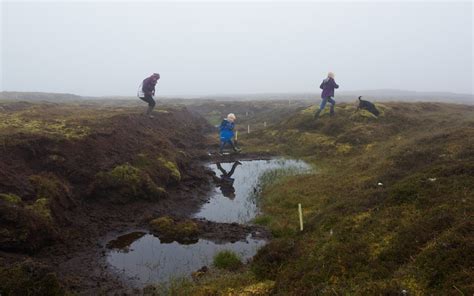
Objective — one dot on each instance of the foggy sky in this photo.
(103, 48)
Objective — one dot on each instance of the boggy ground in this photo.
(70, 173)
(388, 211)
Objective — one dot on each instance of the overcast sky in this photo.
(104, 48)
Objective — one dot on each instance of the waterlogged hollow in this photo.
(147, 260)
(235, 198)
(143, 258)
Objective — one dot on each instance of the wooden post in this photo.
(301, 216)
(265, 124)
(236, 135)
(248, 129)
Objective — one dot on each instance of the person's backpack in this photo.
(140, 92)
(324, 83)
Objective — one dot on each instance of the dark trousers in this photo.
(151, 103)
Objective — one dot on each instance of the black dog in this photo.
(367, 106)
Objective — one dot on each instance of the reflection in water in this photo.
(234, 200)
(226, 183)
(148, 260)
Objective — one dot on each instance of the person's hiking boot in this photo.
(331, 114)
(237, 149)
(149, 110)
(316, 115)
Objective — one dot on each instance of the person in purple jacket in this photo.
(147, 92)
(328, 85)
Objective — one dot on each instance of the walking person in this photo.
(328, 85)
(147, 92)
(226, 133)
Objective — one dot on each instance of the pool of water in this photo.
(148, 260)
(234, 199)
(145, 259)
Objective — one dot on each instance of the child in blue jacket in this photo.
(226, 133)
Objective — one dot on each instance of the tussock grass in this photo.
(227, 260)
(413, 232)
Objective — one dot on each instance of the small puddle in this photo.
(147, 260)
(235, 198)
(144, 259)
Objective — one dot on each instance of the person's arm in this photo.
(322, 85)
(153, 86)
(222, 126)
(335, 84)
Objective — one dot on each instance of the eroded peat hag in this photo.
(388, 209)
(69, 173)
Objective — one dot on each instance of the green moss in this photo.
(158, 167)
(170, 230)
(126, 183)
(162, 224)
(11, 198)
(363, 114)
(227, 260)
(41, 208)
(126, 174)
(47, 186)
(25, 122)
(29, 279)
(172, 168)
(188, 228)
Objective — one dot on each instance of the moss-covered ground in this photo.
(389, 210)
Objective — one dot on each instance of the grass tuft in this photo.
(227, 260)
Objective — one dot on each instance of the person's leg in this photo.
(231, 172)
(222, 146)
(151, 106)
(234, 147)
(321, 107)
(219, 166)
(231, 144)
(333, 103)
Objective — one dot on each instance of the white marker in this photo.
(301, 216)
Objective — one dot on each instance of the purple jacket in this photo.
(328, 85)
(148, 86)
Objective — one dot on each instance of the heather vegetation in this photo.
(388, 209)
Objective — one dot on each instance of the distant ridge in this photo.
(38, 96)
(341, 96)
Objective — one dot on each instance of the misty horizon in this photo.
(211, 49)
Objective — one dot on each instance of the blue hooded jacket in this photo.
(226, 130)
